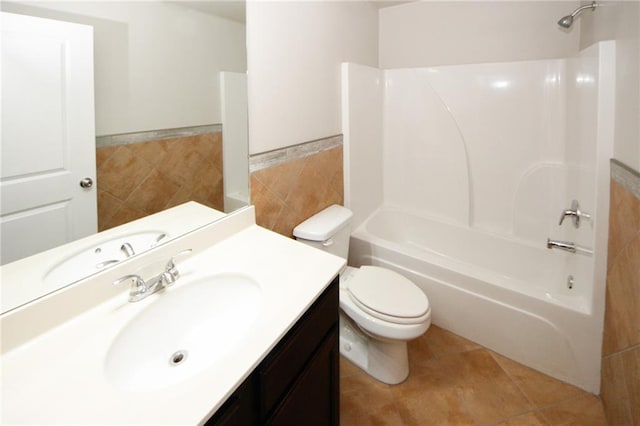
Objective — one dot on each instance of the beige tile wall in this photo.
(286, 194)
(621, 348)
(139, 179)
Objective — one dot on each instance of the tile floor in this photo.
(456, 382)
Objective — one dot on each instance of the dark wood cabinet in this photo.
(239, 409)
(298, 382)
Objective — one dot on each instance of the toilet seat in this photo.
(388, 296)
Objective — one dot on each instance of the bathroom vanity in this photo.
(298, 382)
(247, 334)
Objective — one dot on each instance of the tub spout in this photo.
(561, 245)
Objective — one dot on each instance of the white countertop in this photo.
(174, 222)
(57, 375)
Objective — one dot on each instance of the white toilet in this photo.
(380, 310)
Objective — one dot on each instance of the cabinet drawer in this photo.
(279, 370)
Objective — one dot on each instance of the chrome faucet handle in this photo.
(138, 288)
(575, 213)
(127, 249)
(171, 272)
(157, 241)
(566, 213)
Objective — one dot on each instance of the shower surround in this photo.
(457, 175)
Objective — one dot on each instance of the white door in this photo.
(47, 141)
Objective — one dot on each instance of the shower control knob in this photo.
(86, 183)
(575, 213)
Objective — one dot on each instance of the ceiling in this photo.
(229, 9)
(235, 9)
(388, 3)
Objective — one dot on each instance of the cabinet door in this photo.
(239, 409)
(283, 366)
(313, 399)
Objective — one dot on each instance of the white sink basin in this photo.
(96, 257)
(183, 331)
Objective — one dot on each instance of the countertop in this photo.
(173, 222)
(56, 374)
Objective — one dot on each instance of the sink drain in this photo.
(177, 358)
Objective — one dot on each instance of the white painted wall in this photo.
(235, 143)
(430, 33)
(294, 54)
(620, 21)
(156, 63)
(362, 123)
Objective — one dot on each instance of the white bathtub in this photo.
(507, 295)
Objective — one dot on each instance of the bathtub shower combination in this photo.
(458, 176)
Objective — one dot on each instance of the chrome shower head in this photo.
(567, 21)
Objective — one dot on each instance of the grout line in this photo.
(465, 405)
(394, 402)
(514, 416)
(277, 197)
(522, 391)
(515, 383)
(621, 351)
(296, 178)
(138, 184)
(444, 355)
(546, 419)
(546, 407)
(270, 191)
(625, 386)
(571, 398)
(551, 404)
(615, 257)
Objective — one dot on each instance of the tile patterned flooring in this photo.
(456, 382)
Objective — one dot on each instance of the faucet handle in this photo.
(157, 241)
(138, 286)
(571, 213)
(575, 213)
(171, 272)
(127, 249)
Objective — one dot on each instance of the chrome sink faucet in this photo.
(141, 289)
(575, 214)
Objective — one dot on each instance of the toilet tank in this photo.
(328, 230)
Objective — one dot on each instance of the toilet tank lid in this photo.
(323, 225)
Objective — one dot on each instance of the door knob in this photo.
(86, 182)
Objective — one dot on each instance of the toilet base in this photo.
(384, 360)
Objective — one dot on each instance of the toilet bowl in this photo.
(380, 310)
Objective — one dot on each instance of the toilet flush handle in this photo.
(327, 243)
